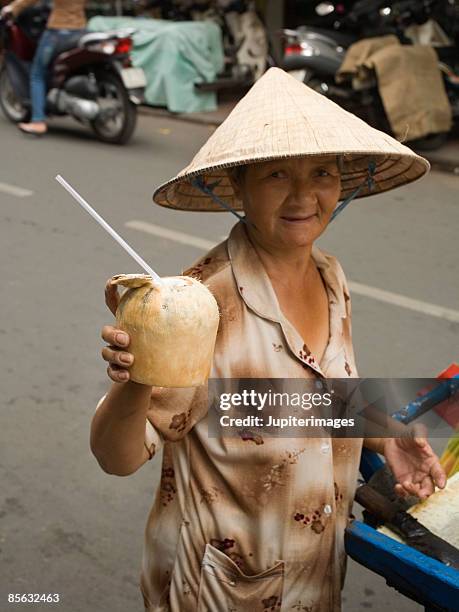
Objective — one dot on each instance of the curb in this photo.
(212, 118)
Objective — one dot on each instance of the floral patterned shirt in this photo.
(250, 524)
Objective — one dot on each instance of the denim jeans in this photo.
(49, 41)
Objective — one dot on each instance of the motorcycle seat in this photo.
(91, 38)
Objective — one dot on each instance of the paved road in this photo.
(66, 526)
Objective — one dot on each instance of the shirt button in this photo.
(324, 447)
(327, 509)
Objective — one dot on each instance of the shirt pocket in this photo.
(223, 586)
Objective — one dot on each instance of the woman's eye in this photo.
(323, 172)
(278, 174)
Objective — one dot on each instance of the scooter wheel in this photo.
(118, 117)
(11, 105)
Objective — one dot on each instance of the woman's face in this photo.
(290, 201)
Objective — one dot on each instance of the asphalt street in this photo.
(67, 527)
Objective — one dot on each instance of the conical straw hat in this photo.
(281, 117)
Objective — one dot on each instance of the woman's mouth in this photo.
(298, 219)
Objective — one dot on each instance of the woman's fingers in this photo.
(438, 475)
(112, 298)
(426, 488)
(410, 487)
(117, 374)
(400, 490)
(422, 488)
(117, 357)
(115, 337)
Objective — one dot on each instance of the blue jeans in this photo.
(49, 41)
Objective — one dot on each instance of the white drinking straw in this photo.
(107, 227)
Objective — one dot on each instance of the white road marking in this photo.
(374, 293)
(405, 302)
(164, 232)
(19, 192)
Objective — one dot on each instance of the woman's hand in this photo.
(415, 466)
(119, 359)
(6, 12)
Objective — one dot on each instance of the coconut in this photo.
(172, 326)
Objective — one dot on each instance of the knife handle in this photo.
(377, 504)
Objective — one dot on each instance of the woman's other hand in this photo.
(415, 466)
(116, 354)
(6, 12)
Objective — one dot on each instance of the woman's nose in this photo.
(304, 193)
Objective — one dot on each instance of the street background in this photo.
(67, 527)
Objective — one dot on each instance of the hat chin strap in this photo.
(369, 182)
(198, 182)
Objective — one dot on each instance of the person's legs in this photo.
(49, 43)
(38, 76)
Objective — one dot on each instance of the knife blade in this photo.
(413, 532)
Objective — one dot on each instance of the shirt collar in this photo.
(252, 280)
(256, 290)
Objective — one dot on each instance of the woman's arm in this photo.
(118, 429)
(375, 444)
(415, 466)
(132, 420)
(381, 421)
(19, 5)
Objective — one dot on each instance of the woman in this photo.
(256, 522)
(66, 20)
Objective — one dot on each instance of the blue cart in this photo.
(417, 576)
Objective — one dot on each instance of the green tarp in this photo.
(174, 56)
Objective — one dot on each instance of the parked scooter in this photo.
(91, 78)
(314, 56)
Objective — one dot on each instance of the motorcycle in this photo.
(314, 56)
(90, 77)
